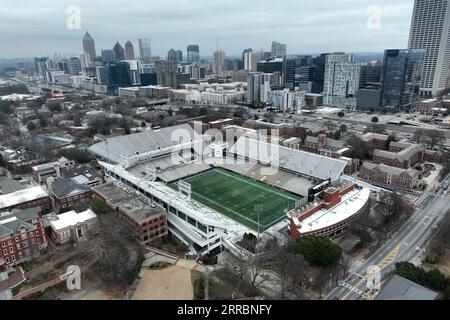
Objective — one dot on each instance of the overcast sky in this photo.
(38, 27)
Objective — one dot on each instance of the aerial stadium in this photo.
(215, 191)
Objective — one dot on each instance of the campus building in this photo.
(330, 214)
(71, 225)
(22, 236)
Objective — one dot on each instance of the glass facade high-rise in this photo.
(401, 77)
(145, 49)
(289, 72)
(119, 74)
(89, 46)
(119, 52)
(193, 53)
(430, 30)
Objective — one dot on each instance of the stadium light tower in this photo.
(258, 209)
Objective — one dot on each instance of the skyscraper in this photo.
(430, 30)
(289, 72)
(251, 60)
(193, 53)
(179, 56)
(278, 49)
(74, 66)
(400, 77)
(119, 75)
(172, 56)
(119, 53)
(129, 51)
(145, 49)
(341, 80)
(89, 46)
(219, 60)
(108, 55)
(166, 73)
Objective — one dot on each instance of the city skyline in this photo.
(304, 30)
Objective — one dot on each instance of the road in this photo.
(408, 244)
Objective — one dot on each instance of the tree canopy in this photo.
(319, 251)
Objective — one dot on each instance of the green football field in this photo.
(236, 197)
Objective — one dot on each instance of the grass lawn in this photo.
(236, 196)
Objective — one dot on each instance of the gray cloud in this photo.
(38, 27)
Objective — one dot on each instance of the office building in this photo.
(119, 75)
(89, 46)
(74, 66)
(400, 79)
(251, 60)
(129, 51)
(278, 50)
(219, 61)
(145, 49)
(166, 73)
(341, 81)
(193, 53)
(108, 56)
(370, 74)
(430, 30)
(179, 56)
(119, 52)
(172, 56)
(289, 72)
(270, 66)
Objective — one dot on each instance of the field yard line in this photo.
(249, 181)
(226, 208)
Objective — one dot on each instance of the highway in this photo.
(407, 244)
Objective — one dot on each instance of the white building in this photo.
(430, 30)
(287, 101)
(221, 97)
(71, 225)
(341, 80)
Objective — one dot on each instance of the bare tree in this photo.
(117, 252)
(435, 137)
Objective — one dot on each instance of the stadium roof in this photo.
(128, 146)
(305, 163)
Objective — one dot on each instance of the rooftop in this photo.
(399, 288)
(350, 204)
(21, 196)
(116, 148)
(67, 187)
(71, 218)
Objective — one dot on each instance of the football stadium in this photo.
(215, 191)
(240, 198)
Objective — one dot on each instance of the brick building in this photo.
(66, 193)
(379, 141)
(324, 146)
(383, 174)
(400, 155)
(42, 172)
(26, 198)
(22, 236)
(331, 214)
(147, 220)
